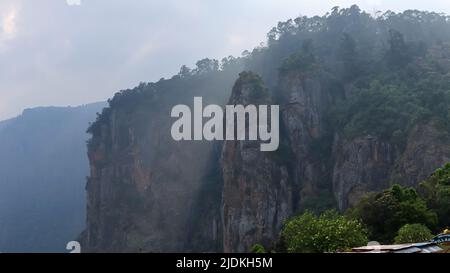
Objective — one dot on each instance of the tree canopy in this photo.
(329, 232)
(386, 212)
(413, 233)
(436, 191)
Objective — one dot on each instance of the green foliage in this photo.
(396, 65)
(384, 213)
(392, 104)
(185, 71)
(398, 54)
(413, 233)
(298, 62)
(258, 93)
(436, 191)
(384, 111)
(258, 248)
(329, 232)
(320, 202)
(348, 56)
(206, 66)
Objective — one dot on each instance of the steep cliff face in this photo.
(427, 149)
(260, 193)
(142, 201)
(362, 165)
(146, 191)
(304, 101)
(368, 164)
(257, 191)
(261, 190)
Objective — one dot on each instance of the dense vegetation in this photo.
(388, 71)
(398, 215)
(328, 232)
(392, 68)
(436, 191)
(413, 233)
(394, 65)
(386, 212)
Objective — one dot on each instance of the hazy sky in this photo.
(70, 52)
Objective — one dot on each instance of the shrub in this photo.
(329, 232)
(413, 233)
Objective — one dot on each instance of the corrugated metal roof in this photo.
(412, 249)
(427, 247)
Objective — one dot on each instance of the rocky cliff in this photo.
(354, 118)
(257, 190)
(368, 164)
(146, 191)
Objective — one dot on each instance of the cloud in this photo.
(8, 26)
(142, 52)
(61, 55)
(235, 40)
(73, 2)
(9, 23)
(374, 2)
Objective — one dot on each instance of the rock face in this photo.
(426, 148)
(257, 192)
(368, 164)
(146, 191)
(262, 190)
(304, 101)
(143, 201)
(362, 165)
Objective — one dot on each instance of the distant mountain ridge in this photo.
(43, 166)
(5, 123)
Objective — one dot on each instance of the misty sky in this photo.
(71, 52)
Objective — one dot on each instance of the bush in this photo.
(258, 249)
(386, 212)
(413, 233)
(329, 232)
(436, 190)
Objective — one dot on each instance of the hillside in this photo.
(42, 178)
(364, 103)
